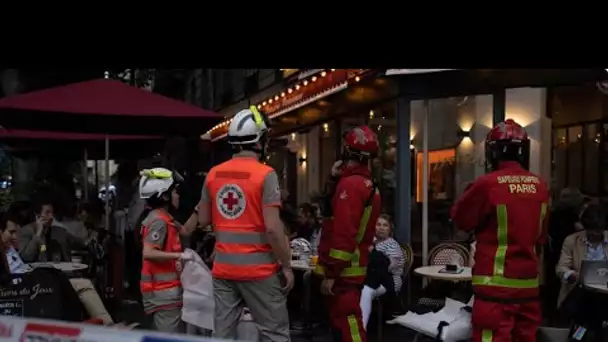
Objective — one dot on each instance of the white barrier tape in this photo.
(13, 329)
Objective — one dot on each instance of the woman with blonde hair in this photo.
(385, 267)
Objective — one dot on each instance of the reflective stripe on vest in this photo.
(498, 278)
(162, 298)
(170, 276)
(354, 270)
(243, 259)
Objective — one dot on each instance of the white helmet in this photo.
(247, 127)
(155, 182)
(103, 193)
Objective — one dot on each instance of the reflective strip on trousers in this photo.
(354, 328)
(355, 271)
(486, 335)
(160, 277)
(162, 297)
(259, 258)
(253, 238)
(498, 278)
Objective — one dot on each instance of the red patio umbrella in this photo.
(103, 106)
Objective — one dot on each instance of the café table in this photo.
(600, 288)
(66, 267)
(435, 273)
(302, 265)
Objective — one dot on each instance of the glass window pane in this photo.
(604, 143)
(575, 154)
(559, 159)
(591, 145)
(328, 149)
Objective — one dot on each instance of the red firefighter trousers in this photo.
(345, 313)
(505, 322)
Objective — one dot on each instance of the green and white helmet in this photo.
(248, 127)
(155, 182)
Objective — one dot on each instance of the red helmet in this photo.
(507, 130)
(508, 140)
(361, 142)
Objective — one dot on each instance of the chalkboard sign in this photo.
(42, 293)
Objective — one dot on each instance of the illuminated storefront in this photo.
(432, 127)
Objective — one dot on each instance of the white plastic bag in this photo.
(199, 305)
(459, 322)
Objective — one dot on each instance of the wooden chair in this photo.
(408, 255)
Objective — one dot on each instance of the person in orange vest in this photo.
(162, 251)
(252, 265)
(507, 211)
(348, 232)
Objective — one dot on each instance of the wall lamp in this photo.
(463, 134)
(412, 147)
(302, 160)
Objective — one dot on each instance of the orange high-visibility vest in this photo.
(242, 251)
(160, 280)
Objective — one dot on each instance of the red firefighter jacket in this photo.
(347, 236)
(507, 210)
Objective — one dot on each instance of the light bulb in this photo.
(357, 79)
(290, 90)
(323, 74)
(305, 83)
(283, 94)
(314, 78)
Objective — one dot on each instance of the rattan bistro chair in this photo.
(443, 254)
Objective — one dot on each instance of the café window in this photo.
(577, 153)
(441, 174)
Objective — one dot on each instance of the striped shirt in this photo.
(393, 251)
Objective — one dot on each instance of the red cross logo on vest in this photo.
(230, 201)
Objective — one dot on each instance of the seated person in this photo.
(582, 306)
(43, 241)
(383, 279)
(589, 244)
(307, 222)
(83, 287)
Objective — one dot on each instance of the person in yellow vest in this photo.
(252, 265)
(162, 250)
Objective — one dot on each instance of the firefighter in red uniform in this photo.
(506, 209)
(348, 234)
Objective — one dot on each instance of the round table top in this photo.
(301, 265)
(63, 266)
(432, 272)
(598, 288)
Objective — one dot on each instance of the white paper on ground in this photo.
(459, 320)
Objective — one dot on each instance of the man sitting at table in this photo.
(84, 287)
(42, 240)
